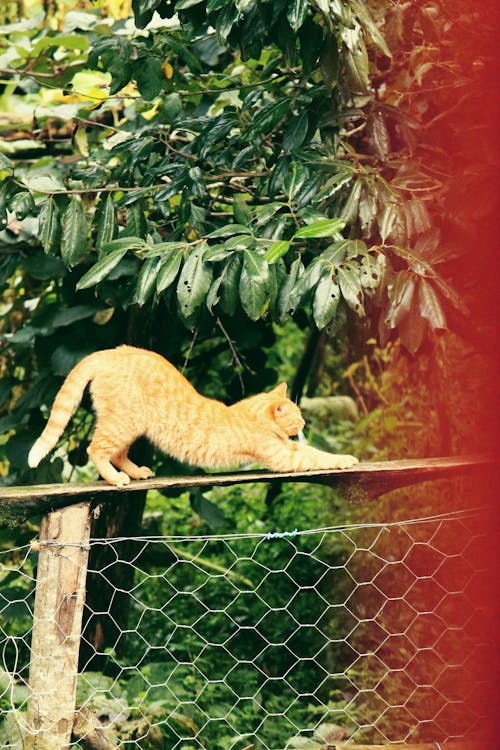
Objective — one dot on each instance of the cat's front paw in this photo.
(345, 462)
(120, 479)
(341, 461)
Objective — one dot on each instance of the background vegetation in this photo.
(258, 190)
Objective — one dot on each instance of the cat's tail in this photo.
(65, 404)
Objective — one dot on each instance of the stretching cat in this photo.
(137, 392)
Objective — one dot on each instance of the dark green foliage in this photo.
(215, 189)
(210, 141)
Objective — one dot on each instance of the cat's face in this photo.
(275, 406)
(285, 413)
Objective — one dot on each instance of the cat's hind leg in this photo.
(102, 450)
(123, 462)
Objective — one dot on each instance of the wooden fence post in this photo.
(59, 600)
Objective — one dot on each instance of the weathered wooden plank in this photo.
(448, 745)
(57, 620)
(361, 483)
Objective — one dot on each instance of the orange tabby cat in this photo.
(137, 392)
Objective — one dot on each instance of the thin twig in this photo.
(189, 351)
(236, 359)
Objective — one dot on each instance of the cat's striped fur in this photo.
(136, 393)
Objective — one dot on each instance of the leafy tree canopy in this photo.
(216, 166)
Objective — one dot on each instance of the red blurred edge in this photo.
(470, 131)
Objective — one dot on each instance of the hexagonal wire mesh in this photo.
(360, 632)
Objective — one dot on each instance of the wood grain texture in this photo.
(448, 745)
(57, 619)
(362, 483)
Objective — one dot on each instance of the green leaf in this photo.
(55, 317)
(208, 511)
(168, 270)
(164, 248)
(194, 283)
(392, 224)
(228, 230)
(191, 60)
(184, 4)
(277, 275)
(5, 163)
(326, 300)
(350, 286)
(4, 193)
(229, 288)
(321, 228)
(263, 214)
(422, 224)
(106, 223)
(311, 276)
(294, 179)
(339, 251)
(277, 250)
(64, 359)
(254, 284)
(225, 22)
(213, 296)
(412, 328)
(216, 253)
(146, 281)
(311, 40)
(450, 294)
(102, 268)
(430, 306)
(290, 296)
(367, 211)
(124, 243)
(297, 12)
(296, 132)
(74, 233)
(372, 29)
(350, 209)
(372, 271)
(269, 116)
(356, 63)
(44, 267)
(215, 132)
(50, 226)
(136, 222)
(242, 213)
(81, 141)
(379, 135)
(329, 61)
(400, 292)
(149, 76)
(240, 242)
(73, 42)
(22, 204)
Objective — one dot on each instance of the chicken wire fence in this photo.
(271, 641)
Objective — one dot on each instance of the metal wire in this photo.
(267, 640)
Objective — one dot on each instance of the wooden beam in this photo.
(446, 745)
(362, 483)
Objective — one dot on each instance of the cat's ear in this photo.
(279, 391)
(278, 408)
